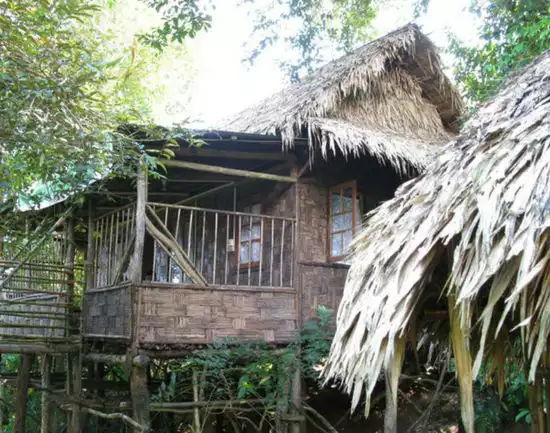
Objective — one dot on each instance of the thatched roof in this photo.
(389, 98)
(480, 214)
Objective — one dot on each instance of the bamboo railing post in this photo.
(21, 392)
(46, 405)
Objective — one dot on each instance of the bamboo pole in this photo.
(226, 171)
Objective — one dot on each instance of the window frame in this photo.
(249, 263)
(355, 222)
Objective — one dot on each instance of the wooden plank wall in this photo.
(172, 314)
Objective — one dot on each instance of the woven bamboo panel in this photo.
(196, 315)
(321, 285)
(108, 312)
(32, 317)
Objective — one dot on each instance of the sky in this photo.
(223, 84)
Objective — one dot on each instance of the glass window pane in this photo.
(255, 251)
(256, 229)
(348, 235)
(336, 203)
(245, 234)
(338, 223)
(348, 220)
(256, 208)
(348, 200)
(358, 211)
(336, 247)
(244, 252)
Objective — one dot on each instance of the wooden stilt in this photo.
(21, 393)
(140, 393)
(295, 426)
(46, 405)
(76, 426)
(196, 413)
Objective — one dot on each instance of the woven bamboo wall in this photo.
(321, 285)
(169, 314)
(108, 312)
(19, 312)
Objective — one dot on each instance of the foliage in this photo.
(310, 28)
(492, 411)
(68, 82)
(181, 19)
(512, 33)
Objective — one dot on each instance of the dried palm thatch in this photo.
(390, 98)
(481, 213)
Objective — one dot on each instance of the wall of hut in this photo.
(181, 315)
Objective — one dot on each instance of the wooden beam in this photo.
(217, 153)
(206, 193)
(227, 171)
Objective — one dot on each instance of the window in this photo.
(250, 237)
(345, 217)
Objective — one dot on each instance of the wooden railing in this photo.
(36, 302)
(114, 239)
(225, 247)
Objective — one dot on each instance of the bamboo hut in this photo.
(244, 237)
(472, 235)
(389, 99)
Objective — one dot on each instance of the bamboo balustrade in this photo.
(37, 290)
(114, 239)
(225, 247)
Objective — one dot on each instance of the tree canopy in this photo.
(512, 33)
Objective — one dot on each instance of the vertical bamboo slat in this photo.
(281, 260)
(215, 248)
(261, 251)
(250, 237)
(226, 270)
(238, 248)
(271, 250)
(203, 240)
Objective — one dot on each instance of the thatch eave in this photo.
(480, 211)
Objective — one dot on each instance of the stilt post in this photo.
(46, 405)
(21, 392)
(140, 393)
